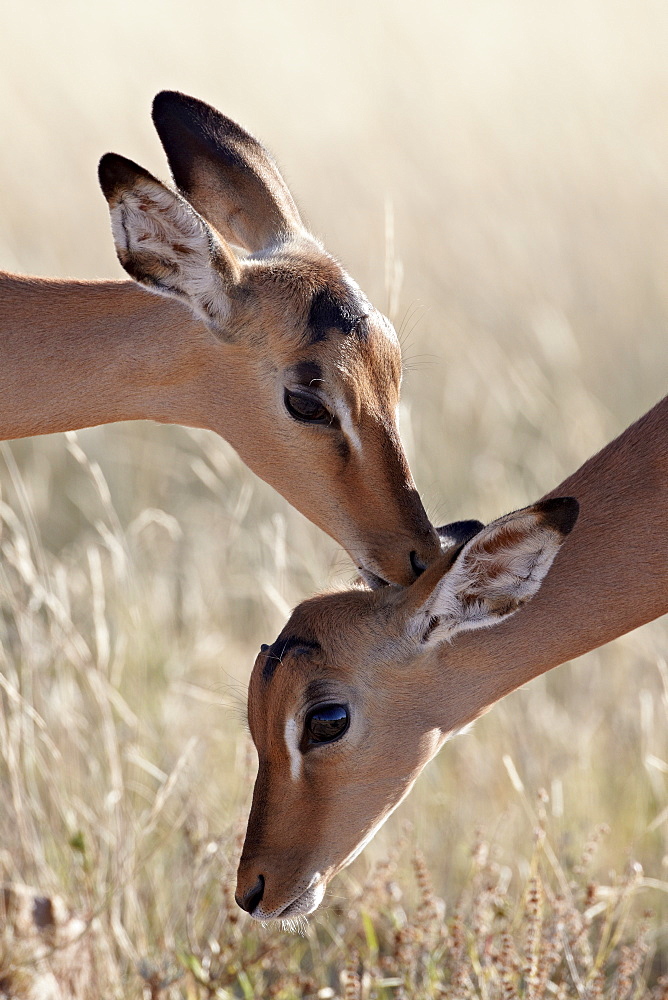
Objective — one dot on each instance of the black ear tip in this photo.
(560, 513)
(459, 532)
(109, 171)
(171, 106)
(115, 171)
(166, 100)
(166, 95)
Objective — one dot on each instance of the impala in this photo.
(362, 688)
(266, 340)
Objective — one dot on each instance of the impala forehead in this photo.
(277, 688)
(315, 658)
(287, 686)
(344, 346)
(377, 352)
(360, 379)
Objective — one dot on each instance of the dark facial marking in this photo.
(332, 312)
(275, 653)
(343, 449)
(308, 373)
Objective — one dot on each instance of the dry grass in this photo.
(495, 175)
(561, 932)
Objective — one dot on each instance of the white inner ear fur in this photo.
(497, 571)
(164, 243)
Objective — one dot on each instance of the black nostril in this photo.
(417, 565)
(252, 899)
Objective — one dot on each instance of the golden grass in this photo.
(494, 175)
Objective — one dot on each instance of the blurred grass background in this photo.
(495, 176)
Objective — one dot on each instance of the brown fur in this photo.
(407, 699)
(75, 354)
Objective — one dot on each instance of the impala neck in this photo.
(610, 577)
(76, 354)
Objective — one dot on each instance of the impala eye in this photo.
(306, 408)
(326, 723)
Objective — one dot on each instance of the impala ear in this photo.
(498, 570)
(225, 173)
(165, 245)
(458, 532)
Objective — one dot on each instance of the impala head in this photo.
(311, 404)
(345, 712)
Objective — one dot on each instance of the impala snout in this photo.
(393, 534)
(270, 899)
(277, 876)
(320, 832)
(400, 557)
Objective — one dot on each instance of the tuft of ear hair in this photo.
(498, 570)
(164, 244)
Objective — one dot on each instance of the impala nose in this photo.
(253, 897)
(388, 562)
(417, 565)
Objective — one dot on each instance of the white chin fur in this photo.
(302, 905)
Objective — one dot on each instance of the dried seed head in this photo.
(590, 848)
(351, 977)
(427, 897)
(534, 913)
